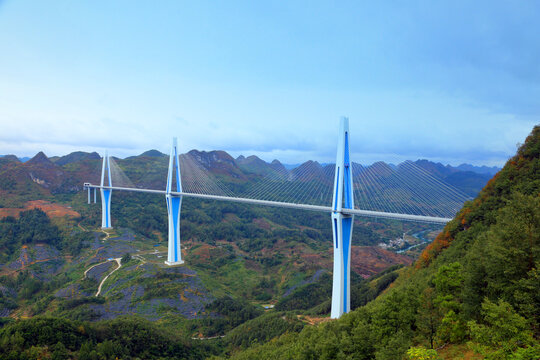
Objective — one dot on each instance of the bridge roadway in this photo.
(378, 214)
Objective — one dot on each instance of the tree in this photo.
(448, 285)
(502, 263)
(126, 258)
(503, 330)
(428, 318)
(59, 352)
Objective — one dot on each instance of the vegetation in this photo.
(232, 313)
(124, 338)
(262, 329)
(35, 227)
(477, 284)
(316, 297)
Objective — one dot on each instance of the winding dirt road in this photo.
(106, 234)
(119, 262)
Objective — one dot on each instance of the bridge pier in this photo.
(342, 225)
(90, 193)
(174, 205)
(106, 193)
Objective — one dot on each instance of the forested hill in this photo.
(475, 293)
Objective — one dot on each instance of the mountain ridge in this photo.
(69, 172)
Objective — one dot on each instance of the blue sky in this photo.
(455, 81)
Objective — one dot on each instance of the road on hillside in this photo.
(119, 262)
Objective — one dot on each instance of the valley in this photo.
(262, 255)
(250, 274)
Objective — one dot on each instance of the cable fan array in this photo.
(403, 189)
(118, 176)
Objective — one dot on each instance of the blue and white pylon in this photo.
(106, 193)
(174, 204)
(342, 225)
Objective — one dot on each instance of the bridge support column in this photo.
(342, 225)
(106, 193)
(174, 205)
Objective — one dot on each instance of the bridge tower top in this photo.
(106, 169)
(343, 185)
(174, 168)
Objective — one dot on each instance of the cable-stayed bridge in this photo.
(344, 189)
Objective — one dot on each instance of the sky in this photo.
(449, 81)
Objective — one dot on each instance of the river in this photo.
(420, 236)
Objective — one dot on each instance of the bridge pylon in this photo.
(174, 205)
(342, 224)
(105, 193)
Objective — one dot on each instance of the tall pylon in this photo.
(342, 225)
(106, 193)
(174, 204)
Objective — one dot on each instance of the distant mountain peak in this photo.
(278, 166)
(214, 155)
(255, 165)
(312, 163)
(479, 169)
(308, 171)
(250, 159)
(39, 159)
(153, 153)
(76, 156)
(217, 161)
(10, 157)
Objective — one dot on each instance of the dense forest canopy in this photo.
(35, 227)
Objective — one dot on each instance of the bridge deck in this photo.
(378, 214)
